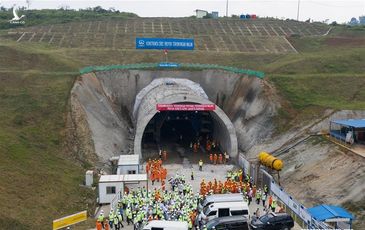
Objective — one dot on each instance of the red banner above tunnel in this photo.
(185, 107)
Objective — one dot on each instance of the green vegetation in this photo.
(63, 15)
(40, 180)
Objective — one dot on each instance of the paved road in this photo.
(187, 163)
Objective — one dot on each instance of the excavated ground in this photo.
(102, 107)
(316, 171)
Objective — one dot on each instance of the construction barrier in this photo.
(69, 220)
(287, 202)
(254, 73)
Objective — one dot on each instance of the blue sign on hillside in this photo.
(165, 43)
(168, 65)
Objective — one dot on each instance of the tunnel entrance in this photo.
(182, 127)
(178, 132)
(171, 114)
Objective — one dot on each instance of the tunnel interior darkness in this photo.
(182, 127)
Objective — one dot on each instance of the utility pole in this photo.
(227, 8)
(28, 3)
(298, 10)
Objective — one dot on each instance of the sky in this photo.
(317, 10)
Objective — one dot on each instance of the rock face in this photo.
(107, 99)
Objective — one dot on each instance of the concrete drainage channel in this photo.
(112, 111)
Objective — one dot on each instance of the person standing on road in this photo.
(250, 196)
(99, 225)
(201, 165)
(220, 159)
(273, 205)
(120, 220)
(258, 196)
(257, 213)
(192, 175)
(116, 222)
(111, 218)
(263, 198)
(270, 201)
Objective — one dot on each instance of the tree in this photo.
(362, 20)
(353, 22)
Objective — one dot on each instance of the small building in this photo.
(215, 14)
(201, 13)
(334, 216)
(128, 164)
(111, 187)
(350, 131)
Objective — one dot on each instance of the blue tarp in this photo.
(324, 212)
(358, 123)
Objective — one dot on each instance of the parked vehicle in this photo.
(273, 221)
(166, 225)
(228, 223)
(219, 198)
(223, 209)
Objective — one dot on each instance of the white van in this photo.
(220, 198)
(166, 225)
(216, 210)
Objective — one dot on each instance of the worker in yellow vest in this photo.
(201, 165)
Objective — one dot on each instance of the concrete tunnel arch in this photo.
(173, 91)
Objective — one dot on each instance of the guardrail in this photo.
(249, 72)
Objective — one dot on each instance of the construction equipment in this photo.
(270, 161)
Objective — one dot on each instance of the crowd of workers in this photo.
(140, 206)
(235, 183)
(156, 172)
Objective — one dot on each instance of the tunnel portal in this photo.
(155, 129)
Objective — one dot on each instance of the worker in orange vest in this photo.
(147, 167)
(207, 146)
(158, 175)
(220, 158)
(270, 201)
(152, 177)
(215, 158)
(99, 225)
(211, 158)
(163, 185)
(164, 174)
(106, 224)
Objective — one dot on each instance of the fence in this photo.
(249, 72)
(289, 204)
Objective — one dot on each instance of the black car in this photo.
(228, 223)
(273, 221)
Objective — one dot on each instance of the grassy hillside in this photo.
(52, 16)
(40, 180)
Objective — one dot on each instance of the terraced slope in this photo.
(223, 35)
